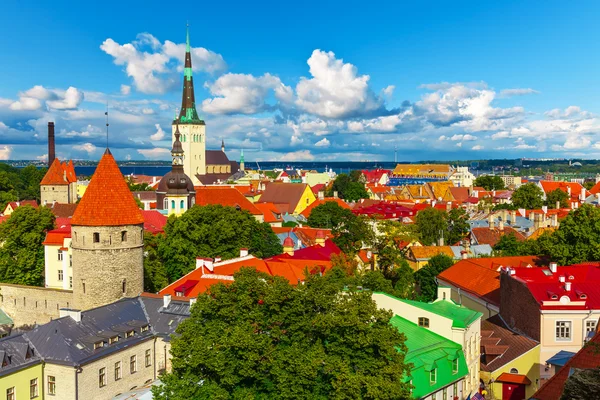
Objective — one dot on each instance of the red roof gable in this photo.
(270, 211)
(107, 200)
(154, 221)
(375, 175)
(57, 236)
(225, 196)
(60, 173)
(491, 236)
(16, 204)
(549, 186)
(385, 210)
(317, 188)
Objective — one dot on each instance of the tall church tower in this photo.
(191, 127)
(107, 236)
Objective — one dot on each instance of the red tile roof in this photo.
(107, 200)
(460, 194)
(595, 189)
(375, 175)
(317, 188)
(586, 358)
(60, 173)
(549, 186)
(481, 276)
(552, 294)
(518, 379)
(385, 210)
(491, 236)
(63, 210)
(16, 204)
(225, 196)
(154, 221)
(57, 236)
(270, 211)
(316, 203)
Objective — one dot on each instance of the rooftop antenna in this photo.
(395, 153)
(106, 113)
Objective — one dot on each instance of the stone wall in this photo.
(64, 376)
(28, 305)
(55, 193)
(107, 267)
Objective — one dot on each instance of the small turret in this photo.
(288, 246)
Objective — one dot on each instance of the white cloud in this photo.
(5, 152)
(56, 99)
(301, 155)
(151, 71)
(335, 90)
(43, 157)
(244, 94)
(159, 135)
(517, 92)
(323, 143)
(156, 153)
(87, 147)
(26, 104)
(70, 99)
(148, 111)
(477, 147)
(125, 90)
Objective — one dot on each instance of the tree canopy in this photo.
(528, 196)
(328, 215)
(349, 187)
(425, 277)
(22, 252)
(261, 338)
(557, 196)
(577, 237)
(155, 274)
(352, 233)
(489, 182)
(431, 225)
(213, 231)
(458, 226)
(20, 183)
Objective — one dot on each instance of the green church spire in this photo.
(242, 157)
(188, 113)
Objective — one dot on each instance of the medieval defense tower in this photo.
(107, 238)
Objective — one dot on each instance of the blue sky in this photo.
(311, 81)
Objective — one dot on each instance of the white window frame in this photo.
(568, 325)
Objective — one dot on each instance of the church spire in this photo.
(188, 113)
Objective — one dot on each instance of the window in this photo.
(60, 255)
(455, 390)
(60, 275)
(97, 345)
(455, 366)
(102, 377)
(10, 393)
(590, 326)
(181, 205)
(51, 385)
(445, 394)
(165, 204)
(83, 284)
(433, 376)
(148, 358)
(123, 236)
(144, 328)
(129, 334)
(70, 260)
(113, 339)
(514, 371)
(133, 364)
(424, 322)
(124, 286)
(33, 388)
(70, 282)
(117, 370)
(172, 204)
(96, 238)
(563, 330)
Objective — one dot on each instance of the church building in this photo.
(205, 167)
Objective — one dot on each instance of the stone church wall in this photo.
(28, 305)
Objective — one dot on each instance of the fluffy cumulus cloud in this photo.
(54, 99)
(125, 90)
(323, 143)
(244, 94)
(5, 152)
(301, 155)
(335, 90)
(159, 135)
(149, 62)
(86, 147)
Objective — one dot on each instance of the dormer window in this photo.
(97, 345)
(144, 328)
(455, 366)
(129, 334)
(424, 322)
(432, 376)
(113, 339)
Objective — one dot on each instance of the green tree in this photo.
(559, 196)
(425, 277)
(404, 277)
(431, 225)
(528, 196)
(349, 187)
(583, 384)
(212, 231)
(353, 233)
(357, 176)
(375, 281)
(261, 338)
(22, 252)
(577, 237)
(508, 245)
(490, 182)
(458, 226)
(328, 215)
(355, 191)
(155, 273)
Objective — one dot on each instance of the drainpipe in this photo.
(77, 371)
(154, 357)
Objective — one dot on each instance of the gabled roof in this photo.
(284, 193)
(60, 173)
(18, 352)
(107, 200)
(16, 204)
(338, 201)
(63, 210)
(154, 221)
(491, 236)
(549, 186)
(225, 196)
(587, 358)
(216, 157)
(500, 345)
(481, 276)
(270, 211)
(427, 252)
(57, 236)
(460, 194)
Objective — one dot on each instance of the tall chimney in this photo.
(51, 153)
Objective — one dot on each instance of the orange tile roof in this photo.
(519, 379)
(60, 173)
(107, 200)
(491, 236)
(270, 211)
(549, 186)
(16, 204)
(541, 231)
(427, 252)
(306, 212)
(595, 189)
(225, 196)
(56, 237)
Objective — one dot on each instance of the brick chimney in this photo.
(51, 151)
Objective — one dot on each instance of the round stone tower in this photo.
(107, 236)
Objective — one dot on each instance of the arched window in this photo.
(181, 205)
(172, 204)
(165, 204)
(514, 371)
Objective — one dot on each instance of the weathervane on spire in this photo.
(106, 113)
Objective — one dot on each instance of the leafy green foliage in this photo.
(213, 231)
(528, 196)
(458, 226)
(425, 277)
(577, 237)
(20, 183)
(155, 274)
(261, 338)
(508, 245)
(431, 224)
(490, 182)
(559, 196)
(22, 252)
(349, 187)
(328, 215)
(138, 187)
(583, 384)
(352, 233)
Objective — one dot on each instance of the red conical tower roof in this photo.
(107, 200)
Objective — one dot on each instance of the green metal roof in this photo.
(5, 319)
(461, 316)
(428, 351)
